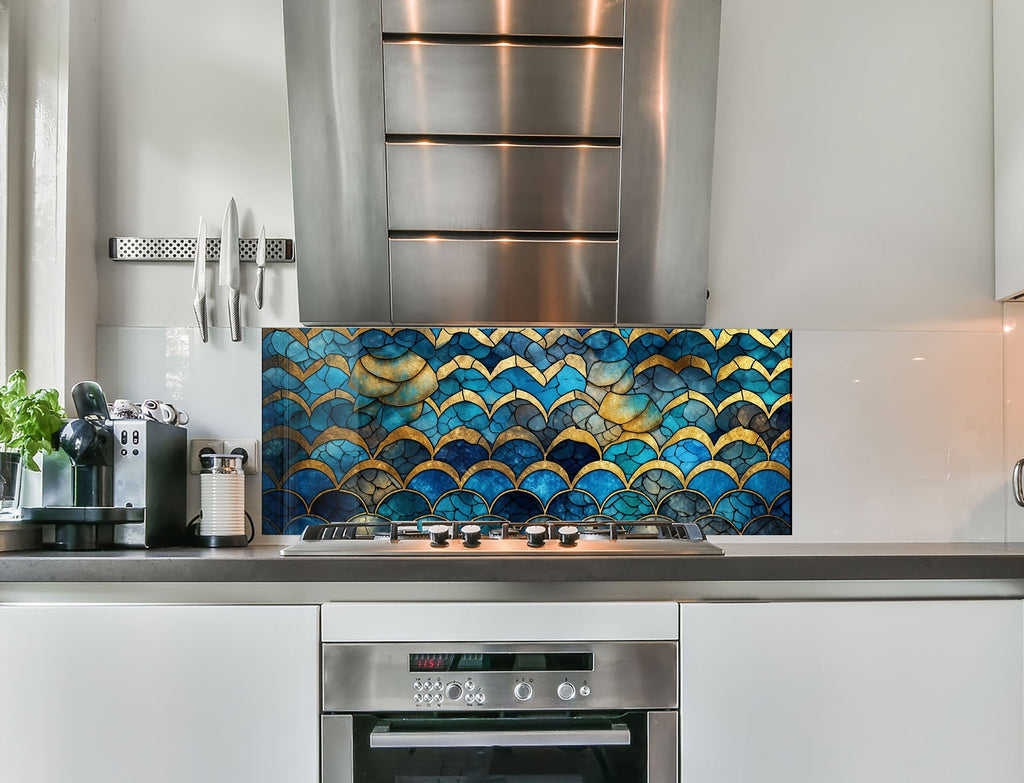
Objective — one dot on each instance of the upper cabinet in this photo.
(1008, 106)
(502, 161)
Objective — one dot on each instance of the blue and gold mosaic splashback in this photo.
(523, 424)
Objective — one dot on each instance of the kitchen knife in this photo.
(229, 274)
(261, 262)
(199, 281)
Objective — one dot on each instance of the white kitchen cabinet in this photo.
(161, 694)
(1008, 127)
(848, 692)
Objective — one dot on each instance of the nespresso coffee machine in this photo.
(111, 483)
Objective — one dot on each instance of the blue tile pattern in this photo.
(524, 424)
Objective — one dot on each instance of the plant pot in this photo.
(11, 469)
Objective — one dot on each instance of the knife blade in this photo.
(229, 272)
(261, 262)
(199, 281)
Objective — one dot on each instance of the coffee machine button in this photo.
(124, 452)
(124, 437)
(135, 437)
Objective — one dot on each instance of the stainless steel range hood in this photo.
(502, 161)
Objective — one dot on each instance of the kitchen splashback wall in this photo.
(861, 218)
(521, 424)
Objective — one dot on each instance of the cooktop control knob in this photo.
(535, 535)
(438, 535)
(568, 535)
(453, 692)
(522, 691)
(566, 691)
(471, 535)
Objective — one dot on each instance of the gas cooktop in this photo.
(647, 537)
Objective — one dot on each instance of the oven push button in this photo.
(522, 691)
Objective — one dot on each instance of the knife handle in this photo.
(234, 317)
(199, 306)
(258, 293)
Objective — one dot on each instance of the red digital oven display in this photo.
(431, 662)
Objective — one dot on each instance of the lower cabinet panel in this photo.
(927, 691)
(162, 694)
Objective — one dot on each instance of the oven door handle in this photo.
(383, 737)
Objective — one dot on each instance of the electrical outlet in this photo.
(199, 446)
(249, 449)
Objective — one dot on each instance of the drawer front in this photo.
(596, 18)
(502, 89)
(496, 281)
(502, 187)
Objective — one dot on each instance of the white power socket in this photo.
(247, 447)
(199, 446)
(250, 451)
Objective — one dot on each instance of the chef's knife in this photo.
(229, 274)
(199, 281)
(261, 262)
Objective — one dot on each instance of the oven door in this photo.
(631, 747)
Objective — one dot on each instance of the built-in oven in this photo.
(513, 712)
(500, 691)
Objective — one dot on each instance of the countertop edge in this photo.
(741, 563)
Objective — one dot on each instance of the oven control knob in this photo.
(522, 691)
(438, 535)
(453, 692)
(568, 535)
(566, 691)
(535, 535)
(584, 690)
(470, 535)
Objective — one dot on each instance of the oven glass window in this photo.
(482, 759)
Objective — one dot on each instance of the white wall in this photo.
(852, 203)
(193, 112)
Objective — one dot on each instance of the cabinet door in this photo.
(162, 694)
(1008, 118)
(883, 691)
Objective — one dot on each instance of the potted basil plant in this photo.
(28, 423)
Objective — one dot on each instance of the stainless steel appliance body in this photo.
(545, 712)
(147, 491)
(606, 538)
(502, 161)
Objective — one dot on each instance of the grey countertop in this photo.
(754, 561)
